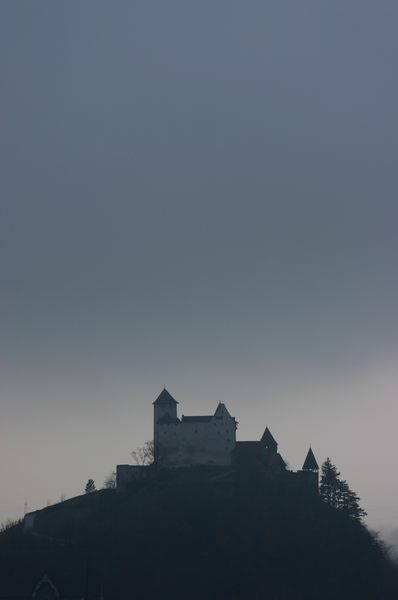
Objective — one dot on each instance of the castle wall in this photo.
(309, 479)
(188, 443)
(127, 474)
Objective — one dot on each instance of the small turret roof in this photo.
(268, 438)
(165, 398)
(310, 463)
(220, 408)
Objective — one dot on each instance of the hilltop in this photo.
(242, 538)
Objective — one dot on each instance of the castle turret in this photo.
(310, 470)
(310, 463)
(269, 441)
(164, 409)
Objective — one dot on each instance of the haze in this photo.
(202, 196)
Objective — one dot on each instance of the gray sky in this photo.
(202, 196)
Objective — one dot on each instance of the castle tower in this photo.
(310, 463)
(164, 407)
(269, 441)
(311, 470)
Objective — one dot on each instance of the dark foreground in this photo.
(240, 539)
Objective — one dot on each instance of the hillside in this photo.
(245, 539)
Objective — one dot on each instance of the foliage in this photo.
(144, 455)
(336, 492)
(8, 524)
(90, 486)
(110, 481)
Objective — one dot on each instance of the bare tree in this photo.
(144, 455)
(110, 481)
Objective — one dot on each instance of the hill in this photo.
(240, 539)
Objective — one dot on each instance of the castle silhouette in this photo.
(207, 442)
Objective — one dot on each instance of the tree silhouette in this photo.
(9, 523)
(329, 485)
(144, 455)
(90, 486)
(110, 481)
(337, 493)
(348, 502)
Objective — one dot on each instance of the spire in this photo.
(165, 398)
(310, 463)
(221, 408)
(268, 440)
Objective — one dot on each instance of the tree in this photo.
(329, 485)
(110, 481)
(348, 502)
(144, 455)
(9, 523)
(337, 493)
(90, 486)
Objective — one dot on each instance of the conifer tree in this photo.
(90, 486)
(337, 493)
(329, 484)
(348, 502)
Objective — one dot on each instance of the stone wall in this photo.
(127, 474)
(194, 442)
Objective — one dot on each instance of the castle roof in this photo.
(279, 461)
(165, 398)
(197, 419)
(221, 408)
(268, 438)
(310, 463)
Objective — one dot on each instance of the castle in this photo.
(210, 441)
(191, 440)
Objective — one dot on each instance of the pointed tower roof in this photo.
(165, 398)
(268, 438)
(310, 463)
(221, 408)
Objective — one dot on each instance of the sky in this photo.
(201, 196)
